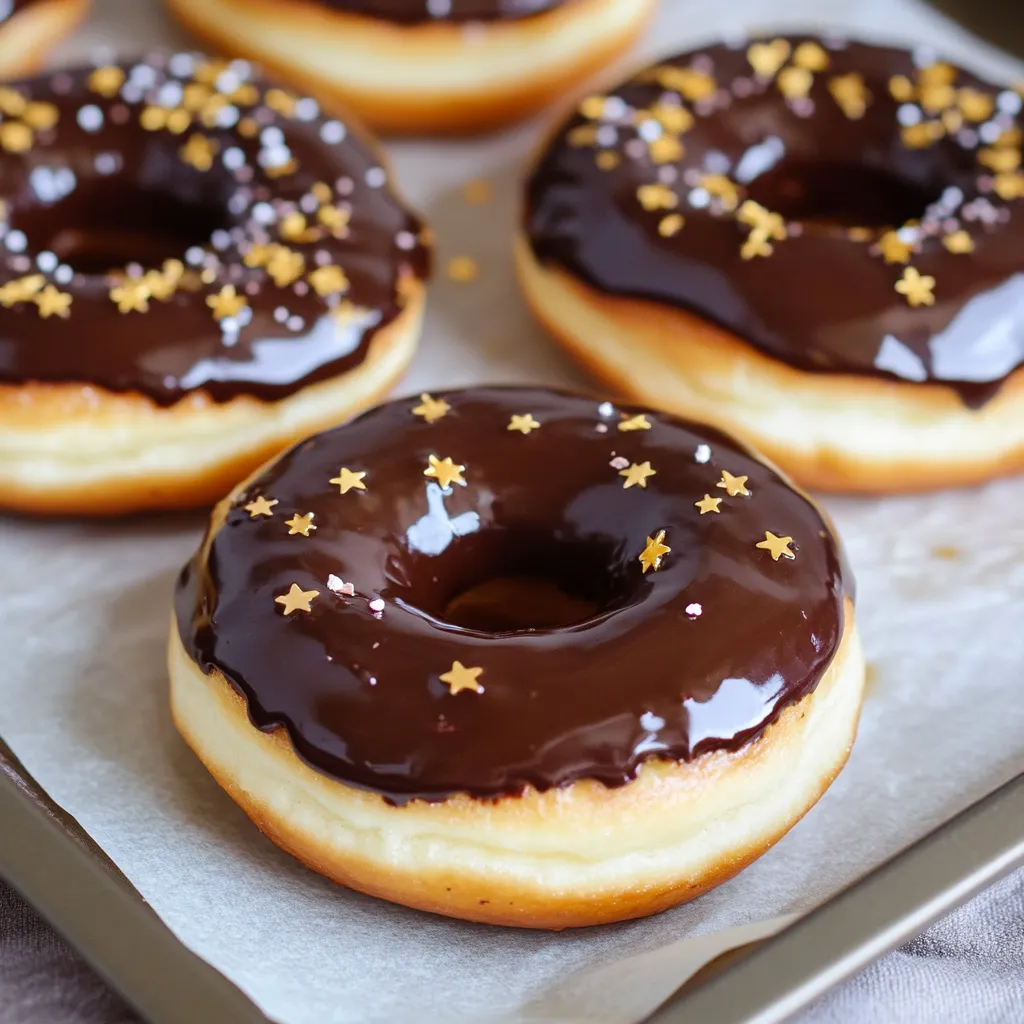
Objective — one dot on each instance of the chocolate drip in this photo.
(419, 11)
(117, 186)
(824, 299)
(700, 654)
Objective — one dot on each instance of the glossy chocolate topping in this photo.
(418, 11)
(843, 207)
(377, 684)
(177, 225)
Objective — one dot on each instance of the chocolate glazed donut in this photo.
(426, 65)
(196, 267)
(30, 28)
(818, 241)
(517, 619)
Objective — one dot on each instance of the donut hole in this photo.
(103, 226)
(517, 580)
(842, 194)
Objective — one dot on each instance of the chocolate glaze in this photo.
(699, 655)
(419, 11)
(99, 191)
(824, 300)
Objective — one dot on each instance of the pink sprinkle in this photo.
(339, 586)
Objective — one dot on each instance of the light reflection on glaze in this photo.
(416, 11)
(642, 677)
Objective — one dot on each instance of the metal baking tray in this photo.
(47, 856)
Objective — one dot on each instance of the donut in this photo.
(815, 242)
(197, 267)
(30, 28)
(519, 656)
(448, 66)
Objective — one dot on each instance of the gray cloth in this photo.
(967, 969)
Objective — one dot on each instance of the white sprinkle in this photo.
(309, 204)
(952, 197)
(63, 274)
(615, 108)
(47, 261)
(131, 93)
(233, 158)
(652, 722)
(228, 82)
(635, 149)
(717, 162)
(601, 428)
(968, 138)
(649, 131)
(227, 116)
(306, 109)
(439, 8)
(295, 323)
(693, 610)
(182, 65)
(272, 136)
(281, 314)
(908, 114)
(344, 185)
(15, 240)
(332, 132)
(699, 198)
(606, 136)
(377, 605)
(339, 586)
(606, 410)
(405, 240)
(376, 644)
(20, 263)
(89, 118)
(242, 68)
(229, 331)
(703, 453)
(263, 213)
(275, 156)
(989, 132)
(143, 75)
(220, 239)
(194, 256)
(238, 203)
(170, 94)
(619, 462)
(52, 183)
(925, 56)
(1008, 102)
(375, 177)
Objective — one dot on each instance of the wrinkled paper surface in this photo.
(83, 695)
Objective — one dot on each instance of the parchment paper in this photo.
(83, 692)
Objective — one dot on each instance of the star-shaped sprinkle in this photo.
(850, 94)
(106, 81)
(1009, 186)
(657, 197)
(893, 248)
(164, 283)
(444, 471)
(638, 422)
(607, 160)
(335, 220)
(199, 151)
(916, 288)
(958, 242)
(260, 506)
(16, 137)
(259, 255)
(347, 480)
(636, 475)
(778, 547)
(458, 677)
(40, 115)
(708, 504)
(974, 105)
(723, 189)
(297, 599)
(794, 83)
(431, 409)
(767, 58)
(811, 56)
(666, 149)
(226, 302)
(293, 228)
(1001, 160)
(734, 486)
(300, 524)
(285, 266)
(131, 295)
(671, 225)
(651, 556)
(21, 289)
(523, 423)
(53, 302)
(329, 280)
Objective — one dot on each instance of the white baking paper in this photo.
(83, 693)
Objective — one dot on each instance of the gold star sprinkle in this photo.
(226, 302)
(767, 58)
(53, 302)
(592, 107)
(164, 283)
(15, 137)
(607, 160)
(850, 93)
(258, 255)
(688, 82)
(131, 295)
(431, 409)
(637, 475)
(444, 471)
(666, 149)
(671, 225)
(901, 88)
(1009, 186)
(285, 266)
(1001, 160)
(673, 117)
(300, 524)
(757, 244)
(106, 81)
(335, 220)
(778, 547)
(916, 288)
(523, 423)
(934, 98)
(21, 289)
(723, 189)
(260, 507)
(477, 191)
(329, 280)
(638, 422)
(794, 83)
(297, 599)
(811, 56)
(293, 228)
(761, 219)
(922, 134)
(708, 504)
(40, 115)
(347, 480)
(651, 556)
(199, 151)
(657, 197)
(458, 678)
(12, 103)
(462, 269)
(893, 248)
(281, 101)
(734, 486)
(959, 242)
